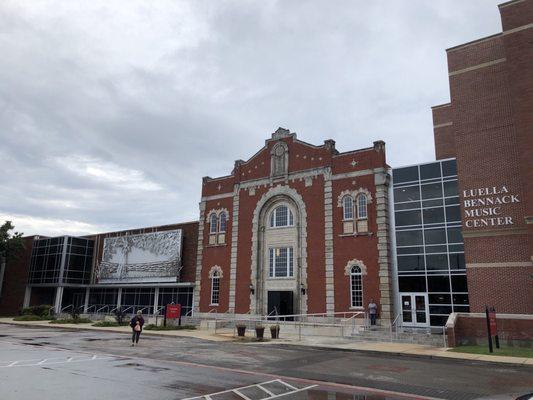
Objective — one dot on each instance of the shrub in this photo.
(108, 324)
(42, 311)
(30, 317)
(153, 327)
(119, 316)
(71, 321)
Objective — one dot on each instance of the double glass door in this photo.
(415, 310)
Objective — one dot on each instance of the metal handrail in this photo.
(66, 307)
(89, 308)
(156, 312)
(393, 323)
(101, 308)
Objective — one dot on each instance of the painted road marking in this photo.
(53, 361)
(238, 391)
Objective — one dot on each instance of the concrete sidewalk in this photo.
(332, 343)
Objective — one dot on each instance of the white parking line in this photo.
(238, 391)
(54, 361)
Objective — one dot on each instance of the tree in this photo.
(11, 245)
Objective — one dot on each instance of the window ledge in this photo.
(216, 245)
(356, 234)
(357, 308)
(214, 305)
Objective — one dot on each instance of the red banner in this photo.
(492, 323)
(173, 311)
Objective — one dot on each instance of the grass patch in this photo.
(71, 321)
(503, 351)
(152, 327)
(108, 324)
(31, 318)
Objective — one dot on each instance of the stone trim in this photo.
(217, 196)
(442, 125)
(351, 263)
(287, 191)
(234, 247)
(352, 174)
(216, 268)
(217, 211)
(496, 232)
(328, 244)
(518, 29)
(199, 254)
(473, 68)
(354, 194)
(382, 182)
(500, 264)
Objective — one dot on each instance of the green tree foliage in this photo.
(11, 244)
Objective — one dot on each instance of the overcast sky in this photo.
(112, 111)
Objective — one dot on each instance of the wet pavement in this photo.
(46, 363)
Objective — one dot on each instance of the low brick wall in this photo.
(471, 328)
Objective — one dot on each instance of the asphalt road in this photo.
(47, 363)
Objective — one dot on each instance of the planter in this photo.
(259, 332)
(241, 329)
(274, 331)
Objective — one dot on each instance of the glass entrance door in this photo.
(415, 309)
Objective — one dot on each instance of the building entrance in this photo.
(415, 309)
(280, 302)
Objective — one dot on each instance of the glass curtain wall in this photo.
(429, 243)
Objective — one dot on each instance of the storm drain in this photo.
(259, 391)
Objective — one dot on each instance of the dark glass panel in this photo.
(428, 171)
(409, 238)
(407, 206)
(411, 263)
(440, 309)
(410, 250)
(456, 247)
(440, 299)
(457, 261)
(431, 190)
(461, 308)
(459, 283)
(404, 218)
(437, 261)
(435, 236)
(438, 320)
(450, 188)
(455, 235)
(408, 193)
(449, 168)
(460, 298)
(412, 283)
(432, 203)
(435, 249)
(451, 200)
(453, 213)
(438, 283)
(434, 215)
(406, 174)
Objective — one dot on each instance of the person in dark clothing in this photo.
(136, 324)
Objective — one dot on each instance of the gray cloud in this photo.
(111, 112)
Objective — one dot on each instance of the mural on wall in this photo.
(148, 257)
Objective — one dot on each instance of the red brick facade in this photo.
(315, 181)
(487, 127)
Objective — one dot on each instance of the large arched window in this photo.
(361, 206)
(347, 208)
(222, 222)
(356, 287)
(213, 223)
(281, 216)
(215, 288)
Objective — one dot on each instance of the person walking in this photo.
(372, 311)
(136, 324)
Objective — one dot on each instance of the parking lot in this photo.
(47, 363)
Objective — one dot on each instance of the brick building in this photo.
(296, 229)
(487, 127)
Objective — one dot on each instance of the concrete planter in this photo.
(274, 331)
(241, 330)
(259, 332)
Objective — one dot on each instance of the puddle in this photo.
(142, 367)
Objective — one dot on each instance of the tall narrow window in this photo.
(347, 207)
(281, 216)
(213, 222)
(281, 262)
(356, 287)
(361, 206)
(222, 222)
(215, 288)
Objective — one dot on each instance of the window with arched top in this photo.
(347, 208)
(215, 288)
(213, 223)
(281, 216)
(222, 222)
(356, 287)
(362, 206)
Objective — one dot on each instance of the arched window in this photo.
(222, 222)
(281, 216)
(213, 222)
(361, 206)
(215, 288)
(347, 207)
(356, 287)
